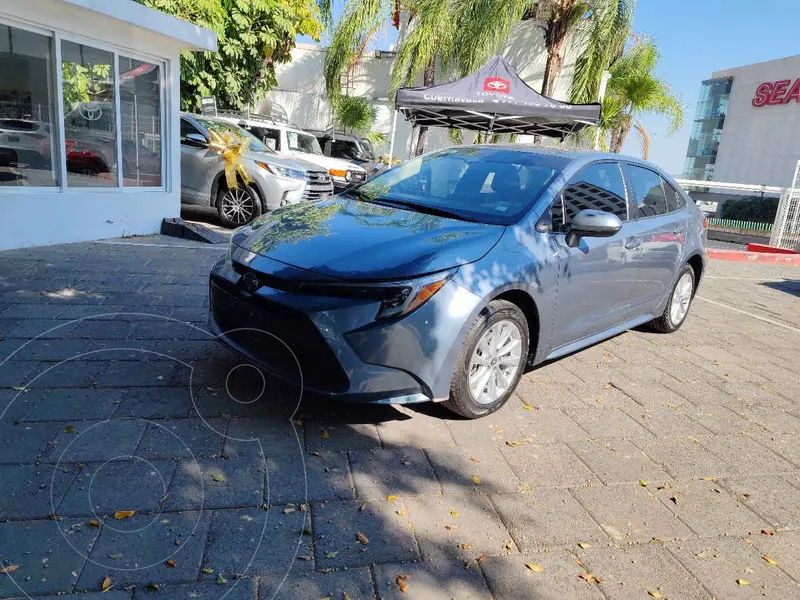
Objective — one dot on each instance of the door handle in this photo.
(633, 244)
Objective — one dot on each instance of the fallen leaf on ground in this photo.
(94, 523)
(221, 579)
(55, 517)
(674, 499)
(513, 444)
(331, 554)
(69, 429)
(287, 510)
(401, 512)
(208, 571)
(171, 563)
(115, 556)
(768, 531)
(363, 507)
(361, 538)
(482, 557)
(219, 477)
(584, 545)
(451, 527)
(527, 407)
(105, 585)
(124, 514)
(20, 388)
(153, 587)
(707, 479)
(476, 480)
(770, 561)
(742, 582)
(324, 434)
(392, 497)
(454, 513)
(473, 459)
(590, 578)
(465, 546)
(655, 594)
(535, 568)
(305, 532)
(8, 569)
(642, 483)
(401, 583)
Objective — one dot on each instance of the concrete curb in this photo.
(755, 257)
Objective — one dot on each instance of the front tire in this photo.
(238, 206)
(491, 361)
(680, 300)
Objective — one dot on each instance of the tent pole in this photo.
(391, 144)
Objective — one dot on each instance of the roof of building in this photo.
(192, 37)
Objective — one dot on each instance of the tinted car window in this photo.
(267, 133)
(187, 127)
(648, 195)
(597, 187)
(675, 200)
(481, 184)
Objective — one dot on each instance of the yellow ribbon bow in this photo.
(231, 148)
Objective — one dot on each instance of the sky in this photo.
(696, 38)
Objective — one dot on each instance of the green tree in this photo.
(636, 89)
(254, 36)
(82, 83)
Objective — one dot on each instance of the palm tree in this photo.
(636, 89)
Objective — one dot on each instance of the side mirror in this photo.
(270, 143)
(195, 139)
(592, 223)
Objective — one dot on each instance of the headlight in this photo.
(356, 176)
(396, 298)
(282, 171)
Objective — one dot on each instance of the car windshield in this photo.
(222, 127)
(303, 142)
(488, 185)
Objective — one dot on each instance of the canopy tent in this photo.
(496, 100)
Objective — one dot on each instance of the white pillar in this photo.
(601, 96)
(391, 143)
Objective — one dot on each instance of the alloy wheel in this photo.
(237, 206)
(681, 298)
(495, 362)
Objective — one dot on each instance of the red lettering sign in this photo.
(497, 84)
(777, 92)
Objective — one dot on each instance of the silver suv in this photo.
(276, 181)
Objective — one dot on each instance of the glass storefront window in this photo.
(90, 140)
(27, 153)
(140, 112)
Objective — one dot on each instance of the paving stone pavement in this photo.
(646, 466)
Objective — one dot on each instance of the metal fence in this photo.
(786, 232)
(734, 224)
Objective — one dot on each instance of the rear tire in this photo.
(491, 361)
(678, 304)
(238, 206)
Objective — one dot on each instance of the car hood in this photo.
(291, 163)
(348, 239)
(329, 162)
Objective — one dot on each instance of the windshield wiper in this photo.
(423, 208)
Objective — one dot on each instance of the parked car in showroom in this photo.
(276, 182)
(443, 278)
(292, 142)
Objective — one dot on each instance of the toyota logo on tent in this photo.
(496, 84)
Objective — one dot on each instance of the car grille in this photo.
(318, 185)
(231, 310)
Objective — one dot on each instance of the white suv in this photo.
(292, 142)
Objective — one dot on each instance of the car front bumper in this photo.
(334, 346)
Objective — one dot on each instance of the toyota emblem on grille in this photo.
(251, 282)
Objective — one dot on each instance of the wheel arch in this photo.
(525, 302)
(696, 262)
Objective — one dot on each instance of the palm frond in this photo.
(644, 137)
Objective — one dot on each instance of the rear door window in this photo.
(675, 200)
(646, 191)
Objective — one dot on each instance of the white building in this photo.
(301, 85)
(89, 128)
(747, 125)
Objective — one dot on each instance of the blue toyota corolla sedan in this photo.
(443, 278)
